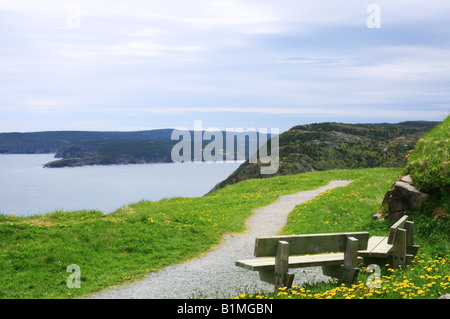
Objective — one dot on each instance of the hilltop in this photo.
(325, 146)
(429, 163)
(303, 148)
(139, 239)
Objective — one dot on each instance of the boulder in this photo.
(403, 198)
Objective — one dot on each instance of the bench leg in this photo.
(348, 272)
(399, 249)
(411, 249)
(345, 273)
(280, 276)
(351, 252)
(269, 277)
(281, 264)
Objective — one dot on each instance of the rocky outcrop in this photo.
(328, 146)
(403, 198)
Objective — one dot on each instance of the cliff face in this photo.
(326, 146)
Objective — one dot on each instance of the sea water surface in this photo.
(26, 188)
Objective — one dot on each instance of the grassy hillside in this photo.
(326, 146)
(429, 167)
(429, 163)
(147, 236)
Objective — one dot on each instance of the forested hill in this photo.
(325, 146)
(79, 148)
(303, 148)
(56, 141)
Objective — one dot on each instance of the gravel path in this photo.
(214, 275)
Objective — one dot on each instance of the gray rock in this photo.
(406, 179)
(411, 197)
(403, 198)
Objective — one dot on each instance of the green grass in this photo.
(125, 245)
(429, 163)
(121, 247)
(424, 278)
(349, 209)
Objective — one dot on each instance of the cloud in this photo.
(215, 58)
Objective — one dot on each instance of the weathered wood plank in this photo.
(409, 227)
(393, 230)
(281, 264)
(268, 263)
(374, 241)
(345, 273)
(377, 247)
(399, 250)
(351, 252)
(309, 244)
(269, 277)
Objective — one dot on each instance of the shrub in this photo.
(429, 164)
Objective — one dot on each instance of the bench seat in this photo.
(377, 247)
(268, 263)
(397, 249)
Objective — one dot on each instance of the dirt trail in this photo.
(214, 275)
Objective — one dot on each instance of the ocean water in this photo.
(26, 188)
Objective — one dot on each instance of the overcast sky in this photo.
(132, 65)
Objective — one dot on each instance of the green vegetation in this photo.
(116, 151)
(303, 148)
(112, 249)
(326, 146)
(79, 148)
(139, 238)
(125, 244)
(55, 141)
(429, 163)
(425, 278)
(429, 167)
(348, 209)
(144, 237)
(345, 210)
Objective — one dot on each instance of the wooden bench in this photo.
(337, 253)
(397, 249)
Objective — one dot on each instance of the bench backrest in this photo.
(393, 230)
(309, 244)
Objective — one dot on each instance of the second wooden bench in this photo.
(397, 249)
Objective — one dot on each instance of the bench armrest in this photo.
(351, 252)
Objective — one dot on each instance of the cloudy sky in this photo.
(132, 65)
